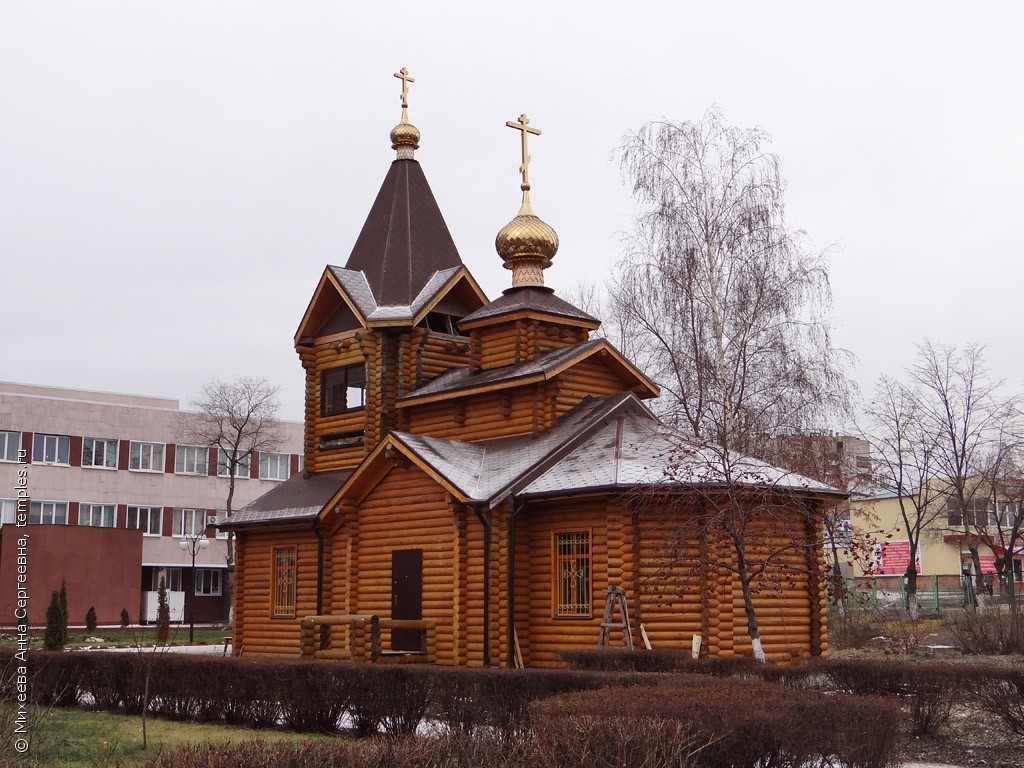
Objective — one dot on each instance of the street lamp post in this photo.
(193, 543)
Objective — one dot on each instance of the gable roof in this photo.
(345, 287)
(298, 498)
(404, 239)
(546, 365)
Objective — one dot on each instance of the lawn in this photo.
(119, 638)
(73, 738)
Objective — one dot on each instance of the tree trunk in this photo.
(911, 576)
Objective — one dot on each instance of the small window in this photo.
(97, 515)
(191, 460)
(275, 466)
(51, 449)
(99, 453)
(48, 513)
(225, 464)
(222, 515)
(572, 573)
(189, 522)
(148, 519)
(146, 457)
(8, 511)
(207, 582)
(342, 389)
(284, 581)
(172, 577)
(10, 442)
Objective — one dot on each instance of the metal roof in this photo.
(298, 498)
(358, 289)
(404, 240)
(603, 443)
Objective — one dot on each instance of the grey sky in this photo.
(175, 176)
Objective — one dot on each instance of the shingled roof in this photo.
(300, 497)
(541, 301)
(404, 240)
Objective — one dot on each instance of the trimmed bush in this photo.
(90, 619)
(711, 723)
(125, 618)
(999, 691)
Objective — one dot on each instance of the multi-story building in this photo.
(108, 492)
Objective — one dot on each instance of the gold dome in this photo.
(526, 237)
(405, 134)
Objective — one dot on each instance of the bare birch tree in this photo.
(904, 452)
(723, 306)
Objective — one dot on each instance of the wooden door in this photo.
(407, 597)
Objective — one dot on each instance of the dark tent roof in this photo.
(540, 300)
(404, 240)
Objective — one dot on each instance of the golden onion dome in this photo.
(526, 237)
(405, 134)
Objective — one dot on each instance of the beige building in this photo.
(106, 460)
(943, 551)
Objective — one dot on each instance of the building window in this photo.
(342, 389)
(275, 466)
(148, 519)
(146, 457)
(48, 512)
(8, 511)
(10, 442)
(97, 515)
(222, 515)
(207, 582)
(51, 449)
(224, 463)
(172, 577)
(284, 581)
(572, 573)
(191, 460)
(189, 522)
(98, 452)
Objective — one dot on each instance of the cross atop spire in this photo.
(405, 137)
(523, 126)
(403, 75)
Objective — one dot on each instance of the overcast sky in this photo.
(174, 176)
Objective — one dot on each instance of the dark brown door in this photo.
(407, 597)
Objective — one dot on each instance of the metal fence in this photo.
(934, 593)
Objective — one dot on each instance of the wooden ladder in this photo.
(615, 597)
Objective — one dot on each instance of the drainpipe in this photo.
(325, 636)
(510, 586)
(487, 585)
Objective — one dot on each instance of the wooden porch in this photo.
(358, 638)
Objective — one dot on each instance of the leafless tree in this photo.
(1004, 483)
(239, 418)
(722, 305)
(963, 407)
(904, 453)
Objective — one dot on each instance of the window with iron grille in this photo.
(284, 581)
(572, 573)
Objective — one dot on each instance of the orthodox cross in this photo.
(522, 125)
(403, 75)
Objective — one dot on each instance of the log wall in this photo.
(255, 631)
(406, 510)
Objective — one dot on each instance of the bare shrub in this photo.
(991, 629)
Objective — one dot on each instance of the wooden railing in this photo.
(318, 634)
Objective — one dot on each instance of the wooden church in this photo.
(471, 468)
